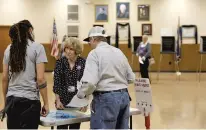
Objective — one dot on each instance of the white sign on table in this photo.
(143, 96)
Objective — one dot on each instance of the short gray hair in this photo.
(144, 36)
(100, 38)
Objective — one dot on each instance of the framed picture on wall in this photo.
(101, 13)
(122, 10)
(146, 29)
(188, 32)
(143, 12)
(123, 33)
(72, 13)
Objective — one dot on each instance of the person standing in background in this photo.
(23, 78)
(144, 53)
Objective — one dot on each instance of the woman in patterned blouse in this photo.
(68, 71)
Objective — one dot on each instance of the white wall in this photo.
(164, 14)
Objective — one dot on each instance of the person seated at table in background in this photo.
(144, 53)
(68, 71)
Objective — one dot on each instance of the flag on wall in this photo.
(179, 43)
(54, 41)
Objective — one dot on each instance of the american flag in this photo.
(54, 42)
(179, 43)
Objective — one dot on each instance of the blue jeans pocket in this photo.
(109, 113)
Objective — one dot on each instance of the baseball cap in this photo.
(96, 31)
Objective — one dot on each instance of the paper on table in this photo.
(77, 102)
(140, 60)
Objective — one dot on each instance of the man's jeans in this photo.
(110, 111)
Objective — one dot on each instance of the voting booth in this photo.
(167, 47)
(136, 41)
(202, 52)
(203, 44)
(168, 44)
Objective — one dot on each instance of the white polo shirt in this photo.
(107, 68)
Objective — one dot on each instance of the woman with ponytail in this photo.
(23, 78)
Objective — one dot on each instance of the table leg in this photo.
(150, 75)
(130, 122)
(52, 127)
(197, 71)
(133, 62)
(160, 60)
(147, 122)
(178, 70)
(200, 71)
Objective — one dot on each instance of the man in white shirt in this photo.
(107, 75)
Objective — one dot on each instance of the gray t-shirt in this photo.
(24, 84)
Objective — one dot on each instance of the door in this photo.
(4, 42)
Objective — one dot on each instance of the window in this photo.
(73, 31)
(73, 13)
